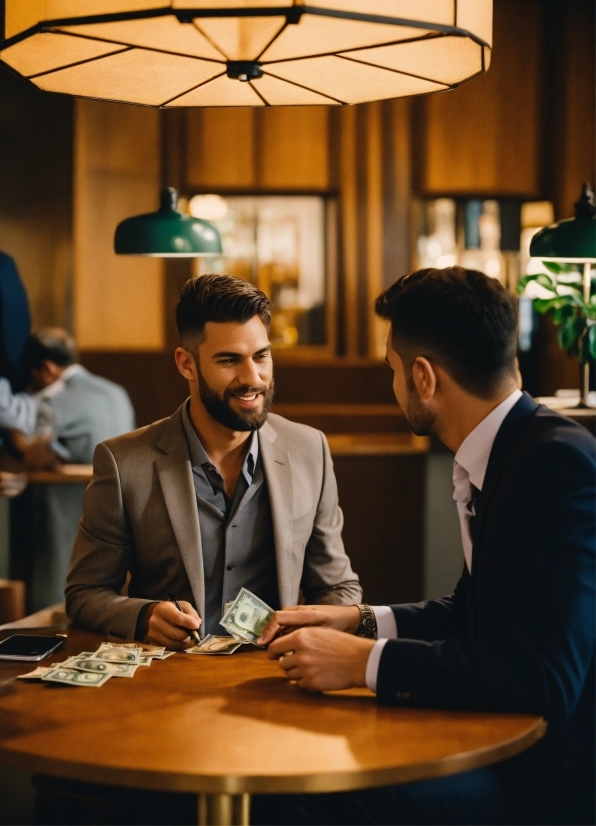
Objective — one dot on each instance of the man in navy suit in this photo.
(518, 632)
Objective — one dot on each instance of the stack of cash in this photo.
(94, 668)
(245, 619)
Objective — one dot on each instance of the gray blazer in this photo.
(140, 516)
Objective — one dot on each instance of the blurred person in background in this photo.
(75, 410)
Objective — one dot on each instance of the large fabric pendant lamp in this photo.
(171, 53)
(572, 241)
(167, 233)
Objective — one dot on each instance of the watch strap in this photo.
(368, 622)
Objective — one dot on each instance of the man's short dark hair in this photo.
(219, 298)
(462, 319)
(51, 344)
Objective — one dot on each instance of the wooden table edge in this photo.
(266, 784)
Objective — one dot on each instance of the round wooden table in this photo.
(224, 727)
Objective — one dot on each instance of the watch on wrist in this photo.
(368, 623)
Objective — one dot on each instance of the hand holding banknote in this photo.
(168, 626)
(341, 617)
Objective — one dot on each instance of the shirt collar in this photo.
(198, 454)
(474, 451)
(58, 386)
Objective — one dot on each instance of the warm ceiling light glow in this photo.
(246, 52)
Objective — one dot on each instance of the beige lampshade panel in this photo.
(411, 47)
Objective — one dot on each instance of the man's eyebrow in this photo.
(232, 354)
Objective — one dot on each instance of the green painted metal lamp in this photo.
(572, 241)
(167, 233)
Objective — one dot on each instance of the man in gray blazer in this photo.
(219, 496)
(75, 410)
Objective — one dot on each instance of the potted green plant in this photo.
(564, 297)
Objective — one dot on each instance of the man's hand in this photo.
(322, 659)
(168, 626)
(341, 617)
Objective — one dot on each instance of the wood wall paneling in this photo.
(292, 147)
(118, 300)
(35, 195)
(575, 162)
(485, 136)
(220, 148)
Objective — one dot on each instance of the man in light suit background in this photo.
(517, 634)
(75, 411)
(221, 495)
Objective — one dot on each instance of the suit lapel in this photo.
(508, 434)
(278, 473)
(175, 477)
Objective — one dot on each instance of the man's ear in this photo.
(50, 371)
(424, 378)
(185, 363)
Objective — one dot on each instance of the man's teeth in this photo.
(248, 398)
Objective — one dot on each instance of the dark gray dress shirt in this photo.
(236, 534)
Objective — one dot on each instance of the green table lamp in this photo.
(167, 233)
(572, 241)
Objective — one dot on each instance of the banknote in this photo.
(145, 648)
(247, 617)
(213, 644)
(102, 667)
(69, 676)
(163, 656)
(117, 654)
(36, 674)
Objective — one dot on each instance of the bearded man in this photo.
(220, 495)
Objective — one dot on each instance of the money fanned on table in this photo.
(101, 667)
(112, 653)
(213, 644)
(247, 617)
(95, 668)
(69, 676)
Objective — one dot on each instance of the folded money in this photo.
(102, 667)
(68, 676)
(213, 644)
(247, 617)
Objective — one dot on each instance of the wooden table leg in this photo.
(224, 809)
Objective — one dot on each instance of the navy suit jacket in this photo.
(519, 633)
(15, 324)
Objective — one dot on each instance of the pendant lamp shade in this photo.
(171, 53)
(572, 240)
(167, 233)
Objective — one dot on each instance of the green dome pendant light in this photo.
(572, 241)
(167, 233)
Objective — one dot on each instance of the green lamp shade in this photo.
(573, 239)
(167, 233)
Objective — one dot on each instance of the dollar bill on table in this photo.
(102, 667)
(110, 652)
(36, 674)
(145, 648)
(247, 617)
(68, 676)
(213, 644)
(163, 656)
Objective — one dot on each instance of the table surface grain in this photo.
(232, 724)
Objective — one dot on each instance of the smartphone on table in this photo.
(29, 647)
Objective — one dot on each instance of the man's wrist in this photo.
(142, 627)
(367, 626)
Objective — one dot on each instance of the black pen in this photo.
(195, 634)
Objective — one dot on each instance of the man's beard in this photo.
(420, 418)
(220, 409)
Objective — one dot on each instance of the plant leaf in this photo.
(556, 267)
(591, 339)
(570, 332)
